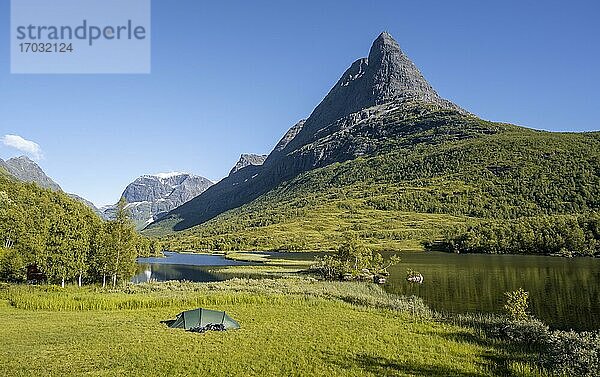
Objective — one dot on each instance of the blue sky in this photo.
(231, 77)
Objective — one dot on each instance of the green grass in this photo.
(261, 271)
(291, 327)
(322, 229)
(265, 259)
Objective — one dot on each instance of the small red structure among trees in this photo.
(34, 275)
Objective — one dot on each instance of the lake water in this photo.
(565, 293)
(183, 266)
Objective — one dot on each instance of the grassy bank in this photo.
(289, 327)
(266, 259)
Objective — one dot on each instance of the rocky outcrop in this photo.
(150, 195)
(3, 165)
(26, 170)
(248, 160)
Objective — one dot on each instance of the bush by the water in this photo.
(517, 303)
(573, 354)
(563, 353)
(528, 332)
(353, 261)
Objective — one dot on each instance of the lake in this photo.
(565, 293)
(183, 266)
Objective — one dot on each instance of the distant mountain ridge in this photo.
(26, 170)
(150, 195)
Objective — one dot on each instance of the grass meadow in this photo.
(291, 327)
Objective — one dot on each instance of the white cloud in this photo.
(26, 146)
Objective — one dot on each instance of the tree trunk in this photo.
(103, 280)
(63, 283)
(80, 280)
(114, 280)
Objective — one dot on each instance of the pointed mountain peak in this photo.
(27, 170)
(385, 46)
(247, 159)
(395, 76)
(23, 158)
(387, 75)
(385, 38)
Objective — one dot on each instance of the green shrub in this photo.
(563, 353)
(573, 354)
(353, 261)
(517, 303)
(529, 332)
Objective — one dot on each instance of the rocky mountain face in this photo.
(87, 203)
(359, 116)
(3, 165)
(247, 160)
(386, 76)
(24, 169)
(150, 195)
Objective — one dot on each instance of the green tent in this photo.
(201, 317)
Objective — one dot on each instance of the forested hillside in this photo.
(416, 193)
(561, 235)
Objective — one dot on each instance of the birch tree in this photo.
(122, 243)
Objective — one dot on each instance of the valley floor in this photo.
(291, 327)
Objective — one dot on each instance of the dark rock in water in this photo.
(416, 278)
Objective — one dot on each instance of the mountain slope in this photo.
(87, 203)
(385, 158)
(151, 195)
(342, 127)
(26, 170)
(414, 194)
(3, 167)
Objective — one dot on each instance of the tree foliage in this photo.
(353, 261)
(65, 239)
(564, 235)
(517, 303)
